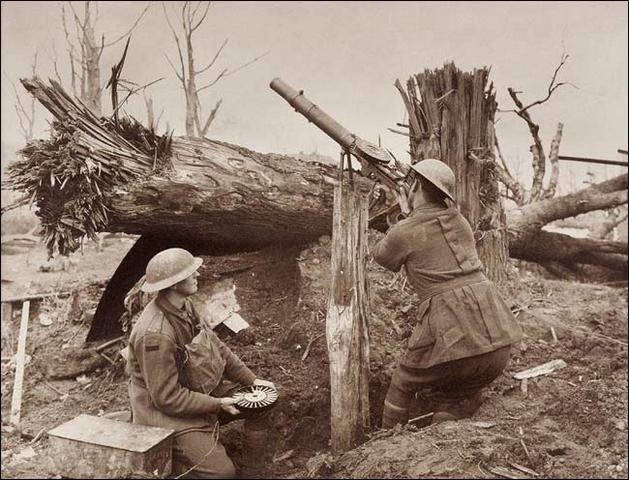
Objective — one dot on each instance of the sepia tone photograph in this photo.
(314, 239)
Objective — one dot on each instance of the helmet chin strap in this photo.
(175, 295)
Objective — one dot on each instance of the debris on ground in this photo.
(572, 422)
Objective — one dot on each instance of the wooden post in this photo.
(16, 400)
(346, 323)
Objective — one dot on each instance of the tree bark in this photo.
(548, 246)
(346, 322)
(229, 196)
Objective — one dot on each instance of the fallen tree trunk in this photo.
(94, 176)
(529, 218)
(224, 197)
(265, 200)
(229, 196)
(549, 246)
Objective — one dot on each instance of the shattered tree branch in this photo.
(537, 191)
(135, 90)
(135, 24)
(553, 158)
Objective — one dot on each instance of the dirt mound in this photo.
(571, 423)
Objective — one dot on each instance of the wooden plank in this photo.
(111, 433)
(33, 296)
(109, 343)
(543, 369)
(16, 400)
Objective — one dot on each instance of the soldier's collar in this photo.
(183, 313)
(429, 206)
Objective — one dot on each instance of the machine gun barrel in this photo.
(314, 114)
(374, 159)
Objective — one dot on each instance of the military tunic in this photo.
(168, 359)
(461, 314)
(159, 390)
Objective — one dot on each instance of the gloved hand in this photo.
(264, 383)
(227, 404)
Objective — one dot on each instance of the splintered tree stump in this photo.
(451, 117)
(346, 323)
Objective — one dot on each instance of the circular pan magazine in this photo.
(255, 397)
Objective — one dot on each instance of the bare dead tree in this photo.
(515, 190)
(192, 17)
(85, 51)
(26, 114)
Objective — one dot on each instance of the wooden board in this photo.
(96, 447)
(111, 433)
(544, 369)
(16, 400)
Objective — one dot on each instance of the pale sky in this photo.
(346, 56)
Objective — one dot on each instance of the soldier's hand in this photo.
(402, 198)
(264, 383)
(227, 404)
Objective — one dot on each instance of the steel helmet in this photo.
(437, 173)
(169, 267)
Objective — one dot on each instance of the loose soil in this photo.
(571, 423)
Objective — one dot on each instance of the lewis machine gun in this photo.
(377, 163)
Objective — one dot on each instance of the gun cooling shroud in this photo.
(376, 163)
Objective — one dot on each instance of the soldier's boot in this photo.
(393, 414)
(465, 408)
(396, 405)
(254, 450)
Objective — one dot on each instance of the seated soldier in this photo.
(181, 373)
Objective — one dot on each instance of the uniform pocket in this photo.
(420, 347)
(422, 336)
(461, 243)
(203, 371)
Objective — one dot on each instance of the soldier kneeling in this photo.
(182, 375)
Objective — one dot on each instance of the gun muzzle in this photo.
(314, 114)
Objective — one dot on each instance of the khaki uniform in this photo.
(461, 314)
(159, 390)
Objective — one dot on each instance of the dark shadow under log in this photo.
(106, 322)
